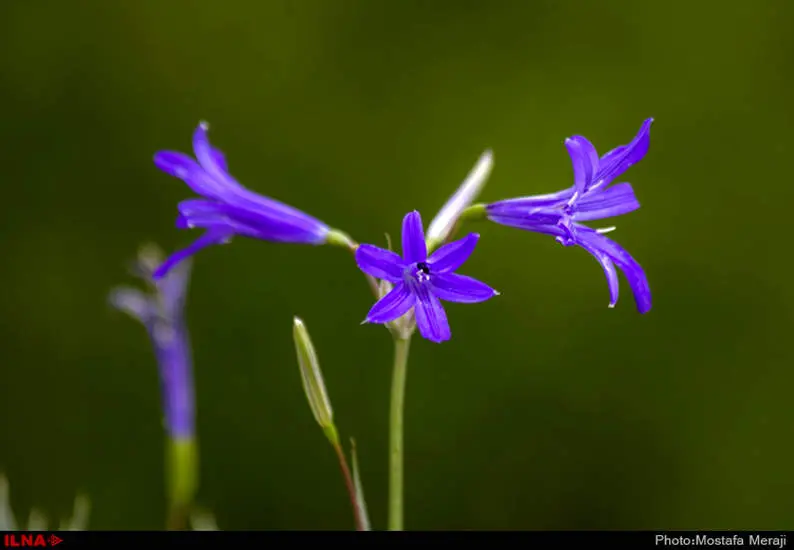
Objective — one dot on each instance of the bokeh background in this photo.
(547, 409)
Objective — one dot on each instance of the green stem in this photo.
(181, 479)
(350, 485)
(401, 346)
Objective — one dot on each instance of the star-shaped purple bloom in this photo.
(420, 282)
(227, 208)
(592, 197)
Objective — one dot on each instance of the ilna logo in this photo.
(14, 540)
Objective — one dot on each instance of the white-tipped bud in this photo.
(312, 377)
(441, 226)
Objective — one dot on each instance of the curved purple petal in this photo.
(612, 201)
(213, 236)
(431, 319)
(250, 223)
(175, 163)
(609, 271)
(380, 263)
(212, 214)
(414, 247)
(205, 154)
(219, 159)
(188, 170)
(635, 275)
(523, 206)
(453, 255)
(536, 216)
(528, 224)
(460, 288)
(618, 160)
(581, 153)
(199, 212)
(392, 306)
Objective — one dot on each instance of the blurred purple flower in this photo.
(592, 197)
(419, 282)
(227, 208)
(162, 314)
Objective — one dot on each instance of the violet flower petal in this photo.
(609, 271)
(453, 255)
(172, 348)
(528, 223)
(613, 201)
(431, 319)
(522, 206)
(208, 213)
(618, 160)
(206, 155)
(413, 237)
(460, 288)
(582, 162)
(181, 166)
(380, 263)
(392, 306)
(215, 235)
(634, 273)
(219, 158)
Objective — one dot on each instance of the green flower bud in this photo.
(312, 377)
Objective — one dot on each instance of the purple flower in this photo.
(592, 197)
(420, 282)
(227, 208)
(162, 314)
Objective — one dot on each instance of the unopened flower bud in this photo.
(312, 377)
(442, 225)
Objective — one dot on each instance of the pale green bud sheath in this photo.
(312, 378)
(443, 225)
(320, 404)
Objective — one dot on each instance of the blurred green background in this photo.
(546, 409)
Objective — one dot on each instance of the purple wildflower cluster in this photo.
(420, 281)
(410, 287)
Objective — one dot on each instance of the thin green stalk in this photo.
(401, 347)
(349, 485)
